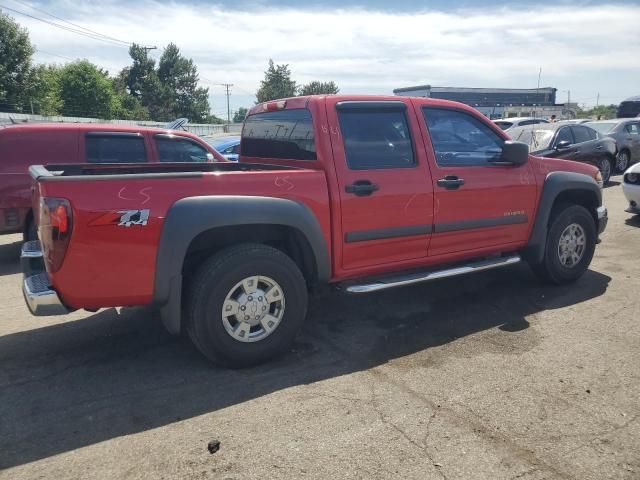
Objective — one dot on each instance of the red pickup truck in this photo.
(362, 191)
(33, 143)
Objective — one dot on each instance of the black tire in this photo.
(623, 161)
(550, 269)
(605, 166)
(216, 278)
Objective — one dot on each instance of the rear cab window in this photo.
(115, 147)
(283, 134)
(175, 148)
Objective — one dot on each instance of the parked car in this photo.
(629, 108)
(229, 147)
(626, 133)
(28, 144)
(342, 191)
(631, 188)
(507, 123)
(571, 142)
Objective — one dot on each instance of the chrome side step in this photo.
(410, 279)
(41, 299)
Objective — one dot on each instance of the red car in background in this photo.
(28, 144)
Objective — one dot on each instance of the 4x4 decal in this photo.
(123, 218)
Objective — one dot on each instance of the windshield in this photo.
(602, 127)
(536, 139)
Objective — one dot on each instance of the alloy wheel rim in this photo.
(622, 161)
(572, 245)
(253, 309)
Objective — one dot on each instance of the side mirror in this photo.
(514, 153)
(563, 145)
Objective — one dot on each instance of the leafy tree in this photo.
(601, 112)
(238, 116)
(277, 83)
(87, 91)
(15, 65)
(44, 90)
(180, 92)
(319, 88)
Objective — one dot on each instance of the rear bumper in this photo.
(603, 218)
(39, 295)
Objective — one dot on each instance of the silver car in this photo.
(626, 132)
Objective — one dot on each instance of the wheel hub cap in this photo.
(572, 245)
(253, 309)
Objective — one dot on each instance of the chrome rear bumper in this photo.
(39, 296)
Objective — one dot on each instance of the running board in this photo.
(410, 279)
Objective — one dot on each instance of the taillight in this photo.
(54, 230)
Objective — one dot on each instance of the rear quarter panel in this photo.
(110, 265)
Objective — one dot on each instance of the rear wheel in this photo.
(245, 305)
(622, 161)
(605, 167)
(571, 242)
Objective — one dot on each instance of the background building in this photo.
(498, 102)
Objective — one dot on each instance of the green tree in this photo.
(602, 112)
(15, 65)
(277, 83)
(181, 95)
(238, 116)
(44, 90)
(87, 91)
(319, 88)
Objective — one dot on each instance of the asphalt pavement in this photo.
(487, 376)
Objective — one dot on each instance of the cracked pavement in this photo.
(489, 376)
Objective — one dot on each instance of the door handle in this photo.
(361, 188)
(451, 182)
(599, 147)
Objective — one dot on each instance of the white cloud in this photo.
(587, 49)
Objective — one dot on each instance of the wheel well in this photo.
(585, 198)
(288, 240)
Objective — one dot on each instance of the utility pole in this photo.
(227, 86)
(146, 49)
(568, 97)
(598, 100)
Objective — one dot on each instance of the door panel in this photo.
(490, 205)
(384, 185)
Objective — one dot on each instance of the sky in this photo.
(587, 48)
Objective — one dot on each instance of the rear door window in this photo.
(173, 148)
(583, 134)
(115, 147)
(376, 138)
(633, 128)
(286, 134)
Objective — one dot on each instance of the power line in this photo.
(96, 36)
(93, 32)
(54, 54)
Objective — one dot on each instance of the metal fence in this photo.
(195, 128)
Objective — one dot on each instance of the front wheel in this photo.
(605, 167)
(245, 305)
(622, 161)
(571, 242)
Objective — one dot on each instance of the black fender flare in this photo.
(191, 216)
(555, 184)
